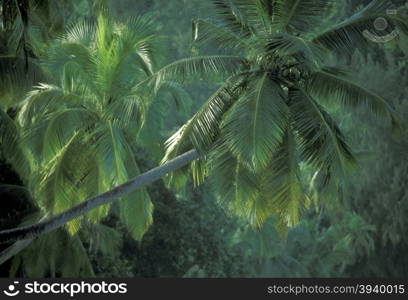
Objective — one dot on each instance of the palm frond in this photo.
(321, 141)
(118, 165)
(59, 181)
(126, 112)
(10, 145)
(334, 85)
(82, 33)
(201, 130)
(232, 17)
(16, 80)
(42, 100)
(182, 69)
(254, 126)
(74, 47)
(344, 37)
(300, 16)
(214, 32)
(237, 187)
(60, 127)
(288, 45)
(257, 13)
(45, 129)
(281, 182)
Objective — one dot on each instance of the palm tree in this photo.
(270, 115)
(80, 131)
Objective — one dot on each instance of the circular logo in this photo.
(381, 24)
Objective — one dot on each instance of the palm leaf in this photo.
(201, 131)
(333, 84)
(207, 30)
(203, 127)
(115, 153)
(321, 141)
(232, 18)
(254, 126)
(300, 16)
(16, 80)
(344, 37)
(288, 45)
(237, 187)
(10, 145)
(257, 13)
(197, 65)
(281, 182)
(44, 99)
(59, 181)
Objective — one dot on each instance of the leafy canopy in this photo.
(270, 118)
(80, 131)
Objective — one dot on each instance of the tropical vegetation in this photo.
(266, 130)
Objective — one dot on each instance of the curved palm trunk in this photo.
(14, 249)
(32, 231)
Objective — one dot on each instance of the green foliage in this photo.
(189, 238)
(62, 250)
(276, 115)
(311, 249)
(81, 130)
(283, 118)
(378, 190)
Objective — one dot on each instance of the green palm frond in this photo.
(69, 52)
(236, 184)
(334, 85)
(126, 112)
(195, 66)
(288, 45)
(344, 37)
(46, 125)
(42, 100)
(300, 16)
(16, 80)
(257, 13)
(321, 141)
(77, 130)
(75, 48)
(119, 165)
(202, 129)
(10, 145)
(208, 30)
(59, 182)
(230, 15)
(60, 127)
(136, 212)
(130, 51)
(82, 33)
(254, 126)
(282, 183)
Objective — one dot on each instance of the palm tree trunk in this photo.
(32, 231)
(14, 249)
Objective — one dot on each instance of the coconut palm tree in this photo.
(269, 116)
(80, 131)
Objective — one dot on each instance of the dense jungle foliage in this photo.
(298, 118)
